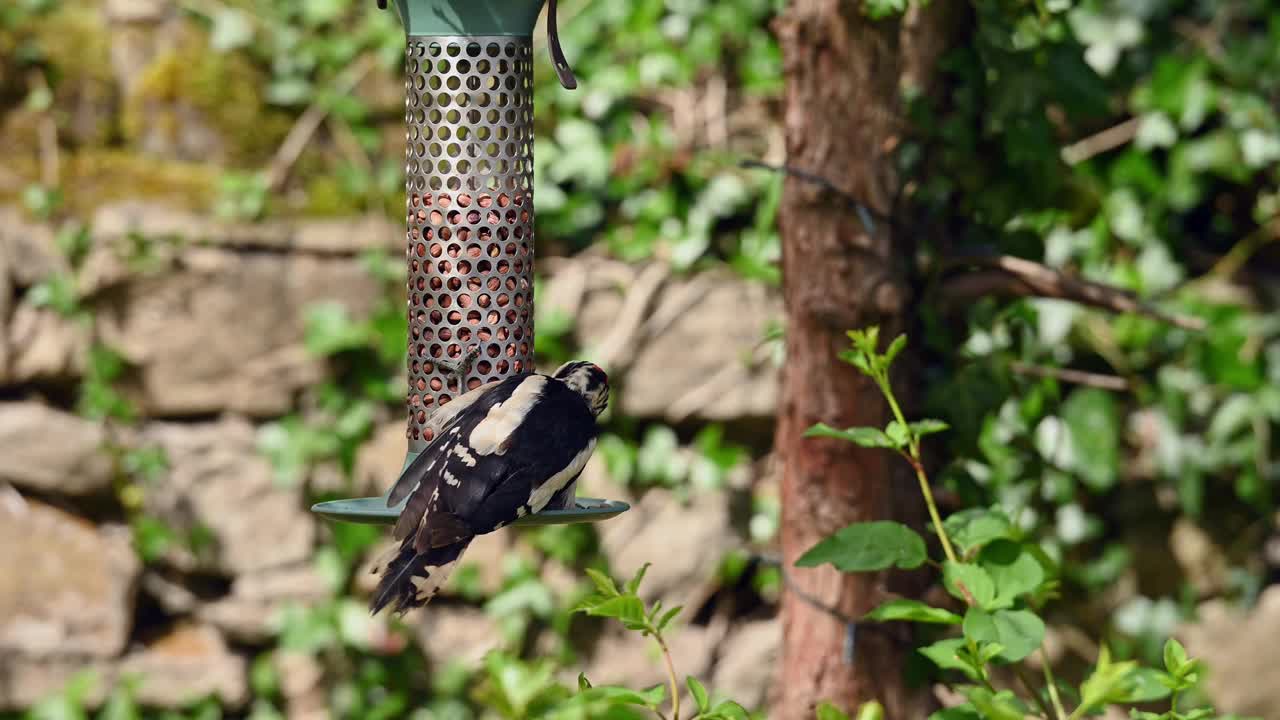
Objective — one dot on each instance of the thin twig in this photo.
(1052, 684)
(1098, 143)
(1076, 377)
(866, 214)
(671, 676)
(1008, 275)
(1021, 674)
(310, 120)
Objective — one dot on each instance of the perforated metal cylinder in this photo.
(469, 187)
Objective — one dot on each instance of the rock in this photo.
(51, 451)
(66, 587)
(335, 236)
(27, 680)
(139, 11)
(44, 346)
(246, 614)
(30, 248)
(379, 461)
(302, 685)
(454, 633)
(621, 657)
(748, 662)
(226, 332)
(218, 481)
(693, 352)
(685, 542)
(1240, 653)
(186, 664)
(1204, 563)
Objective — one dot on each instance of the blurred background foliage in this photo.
(1135, 142)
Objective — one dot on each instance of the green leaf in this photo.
(920, 428)
(1003, 705)
(864, 436)
(699, 693)
(1175, 656)
(1020, 632)
(973, 528)
(969, 582)
(603, 583)
(1014, 571)
(897, 434)
(627, 608)
(946, 655)
(634, 583)
(868, 546)
(912, 610)
(958, 712)
(828, 711)
(583, 682)
(871, 710)
(667, 617)
(728, 710)
(895, 347)
(1094, 423)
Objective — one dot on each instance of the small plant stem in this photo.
(913, 457)
(933, 509)
(1031, 690)
(671, 675)
(1050, 683)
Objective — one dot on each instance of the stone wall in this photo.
(211, 332)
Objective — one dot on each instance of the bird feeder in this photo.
(469, 224)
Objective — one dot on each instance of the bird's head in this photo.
(589, 381)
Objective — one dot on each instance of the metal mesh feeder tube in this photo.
(469, 247)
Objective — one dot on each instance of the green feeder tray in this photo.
(374, 511)
(469, 222)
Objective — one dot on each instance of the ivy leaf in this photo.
(1014, 571)
(973, 528)
(969, 582)
(864, 436)
(913, 610)
(1094, 424)
(699, 693)
(1020, 632)
(868, 546)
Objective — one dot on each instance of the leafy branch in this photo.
(1001, 580)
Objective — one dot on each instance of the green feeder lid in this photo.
(374, 511)
(451, 18)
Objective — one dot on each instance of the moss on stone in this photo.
(193, 83)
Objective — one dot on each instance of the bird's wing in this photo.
(441, 419)
(499, 458)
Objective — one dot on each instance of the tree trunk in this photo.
(844, 116)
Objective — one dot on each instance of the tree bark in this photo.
(844, 117)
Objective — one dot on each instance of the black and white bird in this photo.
(502, 451)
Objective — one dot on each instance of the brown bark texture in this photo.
(844, 116)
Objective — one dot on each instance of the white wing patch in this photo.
(428, 586)
(542, 494)
(464, 455)
(506, 416)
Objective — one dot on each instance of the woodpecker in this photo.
(502, 451)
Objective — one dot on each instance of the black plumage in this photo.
(504, 450)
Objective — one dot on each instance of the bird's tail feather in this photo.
(410, 579)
